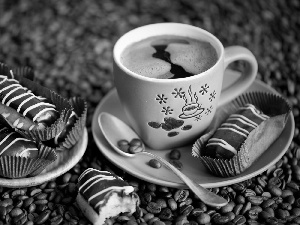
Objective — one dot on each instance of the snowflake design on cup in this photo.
(212, 95)
(178, 93)
(209, 110)
(161, 99)
(167, 110)
(204, 89)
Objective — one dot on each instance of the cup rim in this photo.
(119, 44)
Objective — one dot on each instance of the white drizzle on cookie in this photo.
(238, 125)
(12, 91)
(97, 185)
(14, 144)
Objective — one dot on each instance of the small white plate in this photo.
(74, 156)
(192, 167)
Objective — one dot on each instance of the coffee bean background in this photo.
(69, 45)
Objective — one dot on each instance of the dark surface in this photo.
(69, 44)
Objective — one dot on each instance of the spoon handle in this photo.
(205, 195)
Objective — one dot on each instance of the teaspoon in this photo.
(115, 129)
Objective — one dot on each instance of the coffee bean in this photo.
(6, 202)
(186, 209)
(43, 217)
(35, 191)
(285, 205)
(135, 149)
(155, 163)
(15, 212)
(281, 213)
(253, 214)
(246, 207)
(267, 203)
(275, 190)
(292, 186)
(203, 218)
(172, 204)
(18, 192)
(266, 195)
(175, 154)
(31, 208)
(196, 212)
(181, 195)
(249, 192)
(153, 207)
(227, 208)
(20, 219)
(261, 182)
(239, 220)
(153, 220)
(162, 203)
(238, 187)
(274, 181)
(255, 200)
(165, 214)
(295, 211)
(240, 199)
(237, 208)
(2, 212)
(220, 219)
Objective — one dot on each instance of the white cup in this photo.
(169, 113)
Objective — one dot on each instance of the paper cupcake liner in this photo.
(80, 108)
(17, 73)
(256, 143)
(19, 167)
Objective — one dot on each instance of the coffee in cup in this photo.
(169, 57)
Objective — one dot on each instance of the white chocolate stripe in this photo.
(255, 112)
(243, 120)
(127, 189)
(4, 139)
(25, 151)
(98, 180)
(222, 143)
(8, 87)
(91, 179)
(90, 170)
(9, 93)
(22, 103)
(233, 130)
(35, 106)
(41, 112)
(13, 142)
(12, 74)
(236, 126)
(18, 97)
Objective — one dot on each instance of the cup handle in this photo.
(234, 53)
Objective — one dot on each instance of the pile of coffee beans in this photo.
(69, 44)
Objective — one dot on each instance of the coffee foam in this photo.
(142, 62)
(195, 58)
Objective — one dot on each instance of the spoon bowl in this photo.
(115, 130)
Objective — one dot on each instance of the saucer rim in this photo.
(223, 181)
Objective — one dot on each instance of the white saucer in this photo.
(192, 167)
(75, 155)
